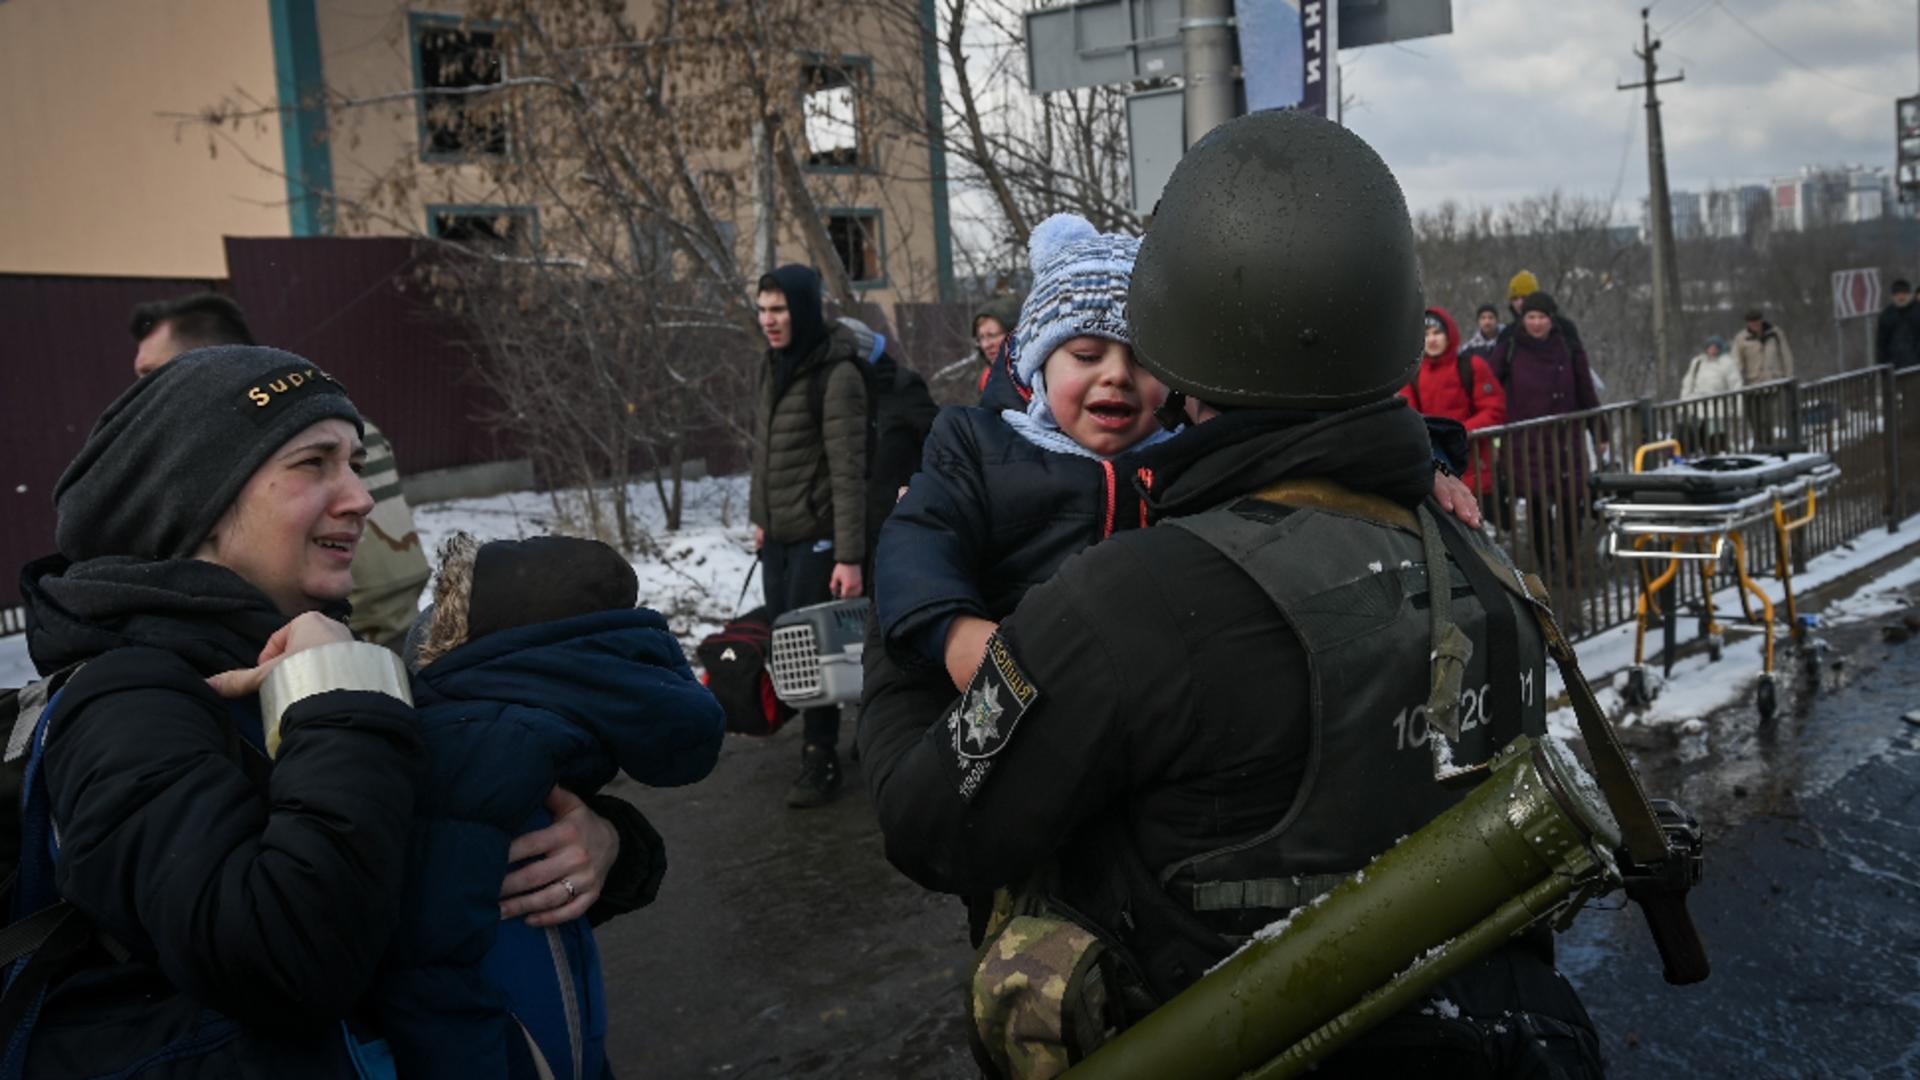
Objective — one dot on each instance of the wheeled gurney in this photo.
(1692, 511)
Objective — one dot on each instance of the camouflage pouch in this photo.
(1041, 1002)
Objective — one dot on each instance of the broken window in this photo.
(856, 239)
(482, 226)
(833, 101)
(450, 59)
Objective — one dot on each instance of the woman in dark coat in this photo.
(1545, 373)
(230, 777)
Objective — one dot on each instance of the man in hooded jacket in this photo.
(808, 500)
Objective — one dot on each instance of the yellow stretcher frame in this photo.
(1702, 534)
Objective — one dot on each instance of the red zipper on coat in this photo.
(1111, 489)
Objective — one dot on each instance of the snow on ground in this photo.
(692, 576)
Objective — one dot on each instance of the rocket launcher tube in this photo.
(1514, 850)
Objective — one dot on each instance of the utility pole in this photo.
(1206, 43)
(1666, 268)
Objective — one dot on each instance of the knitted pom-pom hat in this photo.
(1080, 281)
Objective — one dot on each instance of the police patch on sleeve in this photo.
(980, 726)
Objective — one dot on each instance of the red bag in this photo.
(735, 659)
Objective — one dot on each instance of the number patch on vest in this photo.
(982, 723)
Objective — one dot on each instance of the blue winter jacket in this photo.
(988, 516)
(504, 719)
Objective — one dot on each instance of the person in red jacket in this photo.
(1461, 387)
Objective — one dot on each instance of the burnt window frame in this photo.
(876, 232)
(857, 71)
(420, 24)
(528, 214)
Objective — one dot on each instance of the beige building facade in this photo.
(113, 172)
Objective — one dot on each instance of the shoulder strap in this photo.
(817, 389)
(1315, 493)
(1466, 377)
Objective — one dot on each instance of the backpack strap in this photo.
(1466, 376)
(817, 390)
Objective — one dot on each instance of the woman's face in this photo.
(1713, 348)
(1436, 341)
(989, 335)
(1100, 397)
(292, 530)
(1539, 323)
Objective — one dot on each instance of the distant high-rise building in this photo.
(1735, 211)
(1818, 195)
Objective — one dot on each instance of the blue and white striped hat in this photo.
(1080, 280)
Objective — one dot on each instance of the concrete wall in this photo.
(96, 181)
(93, 180)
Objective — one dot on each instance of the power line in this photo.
(1626, 151)
(1762, 39)
(1685, 19)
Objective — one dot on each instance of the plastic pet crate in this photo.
(816, 653)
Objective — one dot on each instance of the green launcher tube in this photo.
(1510, 853)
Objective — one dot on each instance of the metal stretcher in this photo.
(1692, 512)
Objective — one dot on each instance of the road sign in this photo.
(1856, 293)
(1102, 42)
(1156, 137)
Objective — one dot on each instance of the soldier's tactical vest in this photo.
(1349, 575)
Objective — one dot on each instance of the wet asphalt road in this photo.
(1811, 904)
(783, 945)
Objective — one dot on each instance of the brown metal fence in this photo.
(1541, 504)
(1542, 507)
(1903, 456)
(1845, 417)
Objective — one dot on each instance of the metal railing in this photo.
(1537, 497)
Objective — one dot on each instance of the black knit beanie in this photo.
(171, 454)
(520, 582)
(1540, 302)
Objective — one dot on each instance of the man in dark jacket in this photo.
(808, 501)
(1160, 747)
(1486, 331)
(1897, 338)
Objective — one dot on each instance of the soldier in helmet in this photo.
(1196, 728)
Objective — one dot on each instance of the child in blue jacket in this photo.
(532, 668)
(1003, 498)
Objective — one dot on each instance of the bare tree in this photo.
(617, 326)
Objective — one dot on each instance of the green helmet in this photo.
(1279, 270)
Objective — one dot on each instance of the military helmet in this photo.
(1279, 270)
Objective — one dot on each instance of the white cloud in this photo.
(1521, 97)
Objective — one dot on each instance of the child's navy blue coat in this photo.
(989, 516)
(504, 719)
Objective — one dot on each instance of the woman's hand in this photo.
(967, 641)
(571, 858)
(306, 631)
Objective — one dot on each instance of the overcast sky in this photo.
(1521, 97)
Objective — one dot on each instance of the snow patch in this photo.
(693, 575)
